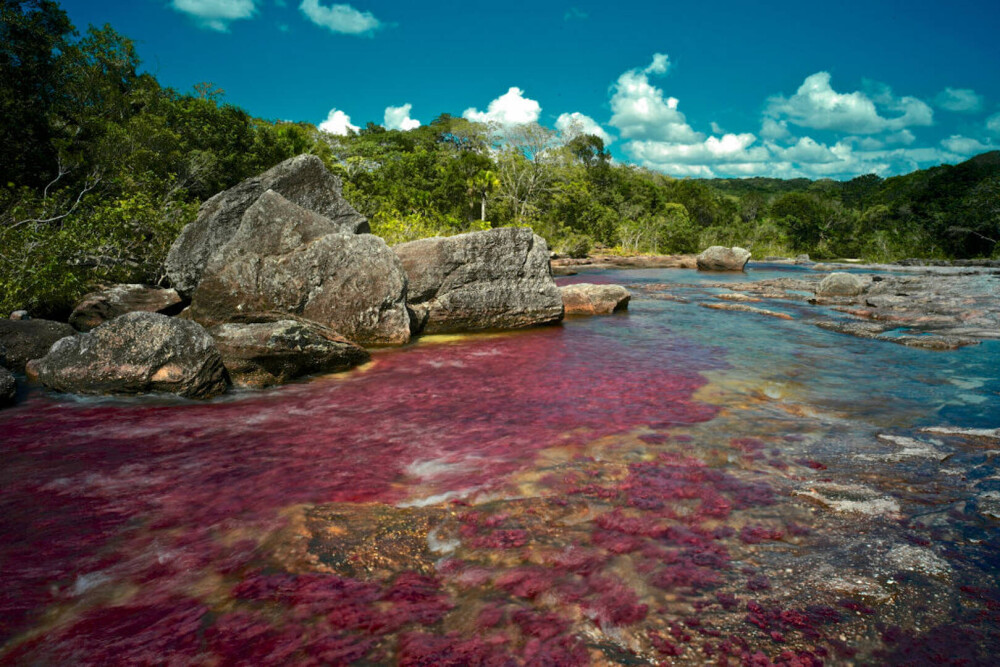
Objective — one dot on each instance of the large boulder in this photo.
(303, 180)
(268, 353)
(98, 307)
(134, 354)
(286, 260)
(589, 299)
(841, 284)
(497, 279)
(24, 340)
(720, 258)
(8, 387)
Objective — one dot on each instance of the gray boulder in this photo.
(303, 180)
(136, 353)
(719, 258)
(497, 279)
(24, 340)
(841, 284)
(98, 307)
(286, 260)
(8, 387)
(589, 299)
(269, 353)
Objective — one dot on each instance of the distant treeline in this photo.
(101, 166)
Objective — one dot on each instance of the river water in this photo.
(673, 485)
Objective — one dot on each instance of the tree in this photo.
(482, 185)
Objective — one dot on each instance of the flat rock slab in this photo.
(98, 307)
(270, 353)
(496, 279)
(287, 260)
(303, 180)
(590, 299)
(24, 340)
(136, 353)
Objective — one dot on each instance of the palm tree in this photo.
(481, 185)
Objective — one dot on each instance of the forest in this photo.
(102, 166)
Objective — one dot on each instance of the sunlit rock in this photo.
(107, 304)
(303, 180)
(841, 284)
(589, 299)
(720, 258)
(497, 279)
(134, 354)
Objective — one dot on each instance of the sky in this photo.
(730, 88)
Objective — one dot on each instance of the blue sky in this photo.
(728, 88)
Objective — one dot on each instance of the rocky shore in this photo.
(279, 278)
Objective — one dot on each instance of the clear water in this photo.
(675, 484)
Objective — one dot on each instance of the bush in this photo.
(575, 245)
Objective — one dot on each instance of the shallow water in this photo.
(673, 484)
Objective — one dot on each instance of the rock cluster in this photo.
(284, 281)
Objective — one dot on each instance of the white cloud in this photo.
(640, 110)
(337, 18)
(775, 130)
(993, 124)
(961, 100)
(660, 64)
(576, 123)
(216, 14)
(956, 143)
(807, 151)
(398, 118)
(337, 122)
(511, 108)
(818, 106)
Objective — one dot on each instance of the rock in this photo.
(496, 279)
(8, 387)
(909, 558)
(302, 180)
(286, 260)
(24, 340)
(19, 315)
(107, 304)
(589, 299)
(743, 308)
(718, 258)
(841, 284)
(134, 354)
(269, 353)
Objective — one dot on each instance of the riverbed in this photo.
(675, 484)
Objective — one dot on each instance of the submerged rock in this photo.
(8, 387)
(286, 260)
(589, 299)
(719, 258)
(841, 284)
(497, 279)
(24, 340)
(134, 354)
(302, 180)
(107, 304)
(269, 353)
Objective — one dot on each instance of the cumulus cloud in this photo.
(775, 130)
(817, 105)
(338, 122)
(960, 100)
(398, 118)
(576, 123)
(343, 19)
(993, 124)
(216, 14)
(642, 112)
(964, 146)
(511, 108)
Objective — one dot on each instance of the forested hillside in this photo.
(101, 167)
